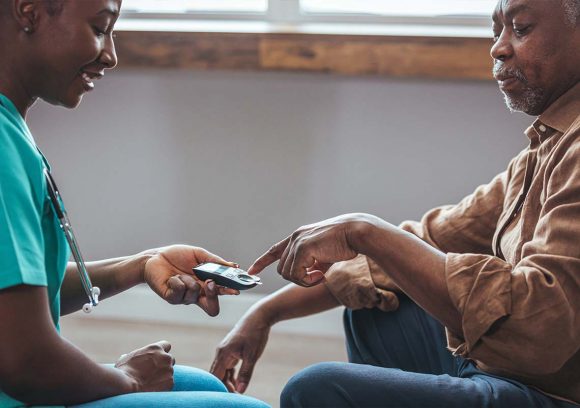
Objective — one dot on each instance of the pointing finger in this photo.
(271, 256)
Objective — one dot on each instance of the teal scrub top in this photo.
(33, 248)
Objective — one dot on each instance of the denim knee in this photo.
(313, 386)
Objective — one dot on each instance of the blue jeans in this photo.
(400, 359)
(194, 388)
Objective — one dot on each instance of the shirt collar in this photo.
(563, 112)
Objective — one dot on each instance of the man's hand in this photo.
(149, 368)
(245, 342)
(310, 251)
(168, 273)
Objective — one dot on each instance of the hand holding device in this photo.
(168, 273)
(230, 277)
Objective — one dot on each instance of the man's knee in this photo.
(315, 386)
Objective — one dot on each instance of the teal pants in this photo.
(194, 388)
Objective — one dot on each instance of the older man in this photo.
(495, 279)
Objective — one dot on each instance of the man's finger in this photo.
(297, 270)
(218, 366)
(229, 380)
(271, 256)
(245, 375)
(222, 364)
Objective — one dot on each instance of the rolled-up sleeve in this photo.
(360, 283)
(535, 303)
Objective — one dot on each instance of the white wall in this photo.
(235, 161)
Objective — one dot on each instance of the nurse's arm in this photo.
(37, 366)
(166, 270)
(112, 276)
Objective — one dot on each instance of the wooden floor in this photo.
(285, 354)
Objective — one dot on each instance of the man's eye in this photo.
(521, 30)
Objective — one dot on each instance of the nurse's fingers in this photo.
(192, 290)
(175, 291)
(210, 303)
(203, 255)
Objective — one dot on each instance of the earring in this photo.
(27, 30)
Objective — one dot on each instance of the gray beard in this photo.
(530, 102)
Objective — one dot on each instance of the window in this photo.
(425, 8)
(193, 7)
(423, 12)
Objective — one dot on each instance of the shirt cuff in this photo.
(351, 283)
(480, 288)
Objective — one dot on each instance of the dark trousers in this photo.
(399, 359)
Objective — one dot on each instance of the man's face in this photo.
(536, 53)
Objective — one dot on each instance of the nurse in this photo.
(55, 50)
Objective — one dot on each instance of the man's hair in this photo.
(572, 11)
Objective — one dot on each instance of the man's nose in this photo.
(502, 48)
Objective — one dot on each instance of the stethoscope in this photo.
(92, 292)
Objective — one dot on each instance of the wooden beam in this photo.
(376, 55)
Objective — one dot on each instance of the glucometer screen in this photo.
(214, 268)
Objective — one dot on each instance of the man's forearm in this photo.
(293, 301)
(112, 276)
(415, 267)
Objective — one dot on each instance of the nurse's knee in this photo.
(195, 379)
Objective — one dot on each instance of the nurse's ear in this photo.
(27, 14)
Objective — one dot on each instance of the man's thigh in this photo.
(408, 339)
(357, 385)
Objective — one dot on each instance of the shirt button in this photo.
(542, 128)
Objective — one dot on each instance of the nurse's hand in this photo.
(168, 273)
(149, 368)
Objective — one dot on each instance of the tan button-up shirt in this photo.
(513, 261)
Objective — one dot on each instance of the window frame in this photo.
(289, 12)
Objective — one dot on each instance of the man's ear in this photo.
(27, 14)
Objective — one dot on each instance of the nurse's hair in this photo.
(53, 7)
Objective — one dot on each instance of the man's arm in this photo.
(293, 301)
(247, 340)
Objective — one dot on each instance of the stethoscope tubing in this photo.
(91, 291)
